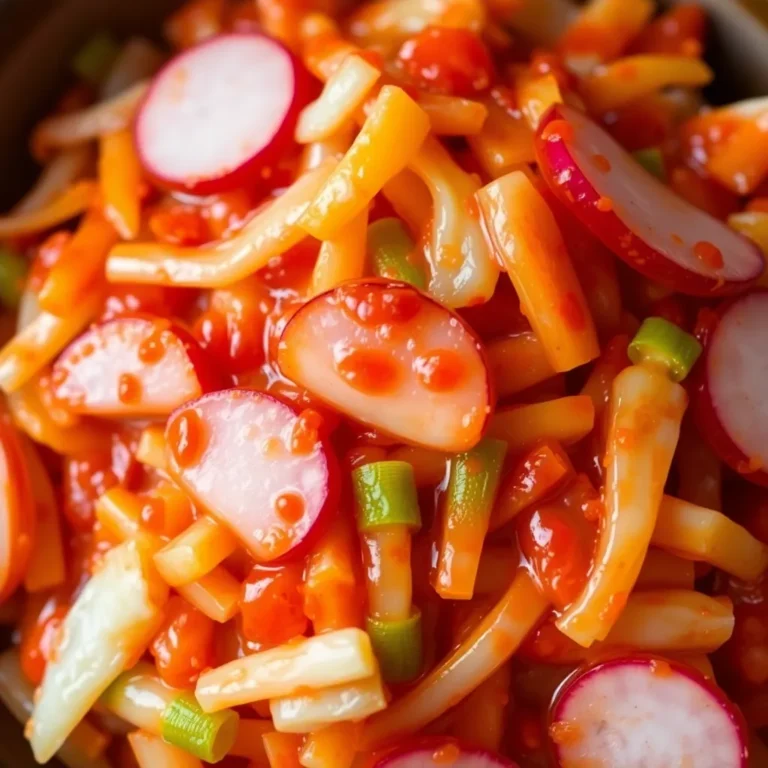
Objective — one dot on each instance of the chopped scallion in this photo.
(652, 160)
(385, 494)
(391, 250)
(208, 736)
(94, 60)
(398, 647)
(662, 342)
(13, 271)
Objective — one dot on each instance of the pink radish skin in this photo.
(640, 219)
(131, 366)
(729, 402)
(439, 752)
(234, 452)
(642, 712)
(219, 113)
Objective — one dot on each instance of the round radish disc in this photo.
(256, 466)
(436, 752)
(731, 405)
(640, 219)
(645, 713)
(218, 112)
(388, 356)
(131, 366)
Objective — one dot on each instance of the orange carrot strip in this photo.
(120, 175)
(567, 420)
(741, 163)
(80, 264)
(249, 741)
(283, 749)
(518, 362)
(494, 640)
(453, 115)
(331, 747)
(411, 199)
(534, 476)
(151, 447)
(536, 94)
(526, 239)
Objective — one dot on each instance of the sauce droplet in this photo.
(708, 254)
(374, 305)
(604, 204)
(446, 754)
(440, 370)
(602, 163)
(305, 432)
(187, 437)
(128, 389)
(289, 507)
(367, 370)
(153, 348)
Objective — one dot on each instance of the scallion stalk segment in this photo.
(661, 342)
(391, 253)
(385, 495)
(398, 646)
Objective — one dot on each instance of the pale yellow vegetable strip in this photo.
(151, 447)
(662, 570)
(646, 409)
(331, 747)
(35, 346)
(195, 552)
(673, 620)
(216, 594)
(85, 743)
(535, 95)
(517, 362)
(110, 624)
(704, 534)
(567, 420)
(269, 233)
(453, 115)
(387, 561)
(333, 658)
(140, 697)
(393, 132)
(46, 568)
(73, 128)
(119, 512)
(410, 198)
(120, 176)
(309, 711)
(754, 225)
(54, 179)
(342, 258)
(152, 752)
(249, 742)
(698, 661)
(70, 203)
(495, 639)
(344, 92)
(463, 271)
(616, 85)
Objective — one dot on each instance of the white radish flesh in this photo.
(131, 366)
(730, 403)
(256, 466)
(642, 221)
(440, 752)
(218, 113)
(646, 713)
(390, 357)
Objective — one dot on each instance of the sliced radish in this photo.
(642, 221)
(643, 712)
(390, 357)
(441, 752)
(218, 113)
(258, 467)
(131, 366)
(730, 404)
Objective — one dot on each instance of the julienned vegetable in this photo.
(13, 270)
(465, 517)
(392, 253)
(397, 644)
(107, 628)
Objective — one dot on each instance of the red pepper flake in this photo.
(604, 204)
(602, 163)
(708, 254)
(558, 130)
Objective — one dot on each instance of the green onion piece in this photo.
(13, 272)
(652, 160)
(208, 736)
(398, 647)
(94, 60)
(385, 494)
(659, 341)
(390, 250)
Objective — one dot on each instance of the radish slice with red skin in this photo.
(194, 136)
(642, 712)
(131, 366)
(440, 752)
(642, 221)
(390, 357)
(257, 467)
(729, 402)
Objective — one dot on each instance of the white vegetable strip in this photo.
(485, 650)
(108, 627)
(309, 711)
(270, 233)
(55, 177)
(152, 752)
(645, 413)
(138, 59)
(344, 92)
(334, 658)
